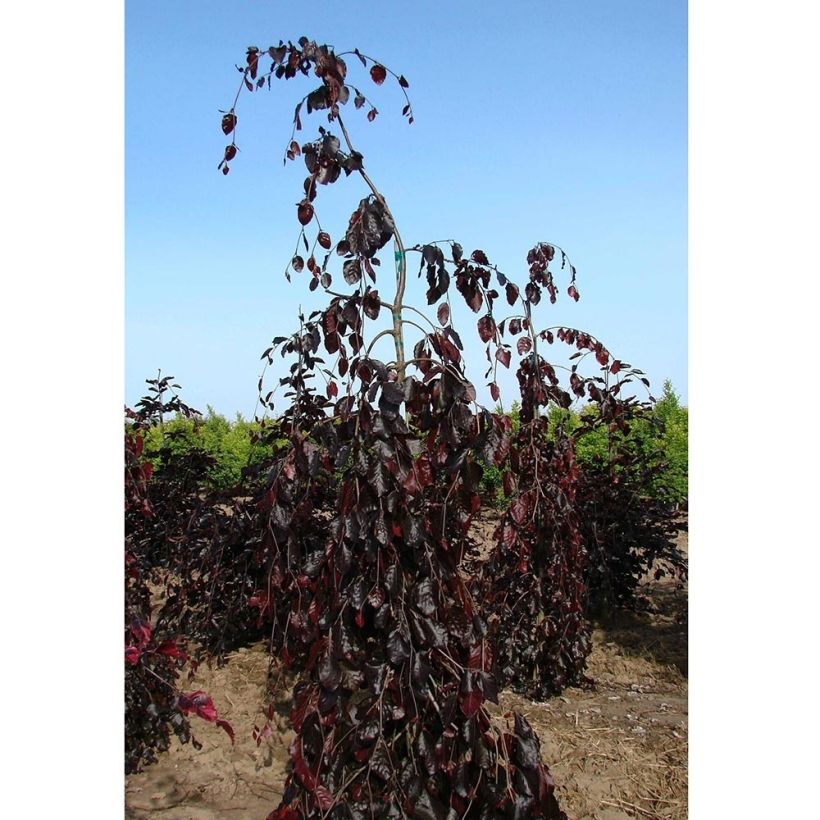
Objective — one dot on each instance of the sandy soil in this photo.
(618, 751)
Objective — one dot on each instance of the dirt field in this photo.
(615, 752)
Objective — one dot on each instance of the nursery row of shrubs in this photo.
(235, 445)
(198, 526)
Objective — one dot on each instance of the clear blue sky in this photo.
(557, 121)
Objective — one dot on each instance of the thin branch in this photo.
(401, 276)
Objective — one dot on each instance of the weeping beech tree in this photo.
(365, 516)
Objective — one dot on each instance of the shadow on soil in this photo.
(659, 634)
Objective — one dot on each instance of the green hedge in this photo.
(664, 433)
(231, 443)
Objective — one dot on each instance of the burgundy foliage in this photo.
(368, 513)
(629, 521)
(347, 545)
(154, 651)
(533, 582)
(195, 546)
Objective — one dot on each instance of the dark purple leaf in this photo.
(352, 271)
(304, 212)
(486, 328)
(424, 597)
(229, 123)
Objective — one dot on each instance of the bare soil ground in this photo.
(617, 751)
